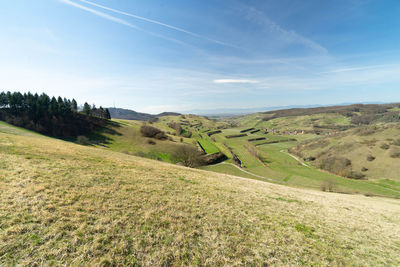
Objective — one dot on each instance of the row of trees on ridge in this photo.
(50, 115)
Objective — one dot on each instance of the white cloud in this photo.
(355, 69)
(234, 81)
(163, 89)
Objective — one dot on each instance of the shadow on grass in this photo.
(101, 135)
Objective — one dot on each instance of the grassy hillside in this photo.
(322, 120)
(199, 123)
(127, 114)
(357, 142)
(373, 152)
(266, 159)
(307, 123)
(269, 160)
(124, 136)
(62, 203)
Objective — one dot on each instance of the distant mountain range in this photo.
(240, 111)
(127, 114)
(243, 111)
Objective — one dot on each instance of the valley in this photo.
(199, 133)
(277, 150)
(69, 204)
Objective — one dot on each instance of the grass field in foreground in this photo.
(66, 204)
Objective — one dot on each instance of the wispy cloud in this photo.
(290, 36)
(159, 23)
(355, 69)
(234, 81)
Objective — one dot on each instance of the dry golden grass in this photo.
(66, 204)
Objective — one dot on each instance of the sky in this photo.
(155, 56)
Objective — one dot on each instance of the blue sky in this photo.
(155, 56)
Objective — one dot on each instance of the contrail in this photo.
(158, 23)
(117, 20)
(100, 14)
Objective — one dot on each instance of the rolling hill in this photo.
(323, 120)
(357, 141)
(263, 155)
(370, 152)
(127, 114)
(67, 204)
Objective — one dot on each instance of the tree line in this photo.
(50, 115)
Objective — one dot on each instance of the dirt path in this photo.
(296, 158)
(252, 174)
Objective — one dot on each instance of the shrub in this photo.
(188, 134)
(214, 132)
(82, 140)
(370, 158)
(318, 144)
(176, 126)
(151, 142)
(139, 154)
(370, 143)
(246, 130)
(328, 185)
(362, 131)
(257, 139)
(395, 153)
(152, 132)
(396, 142)
(363, 169)
(356, 175)
(385, 146)
(189, 156)
(338, 165)
(363, 119)
(235, 135)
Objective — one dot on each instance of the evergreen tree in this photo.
(108, 115)
(74, 105)
(86, 109)
(3, 100)
(53, 108)
(55, 116)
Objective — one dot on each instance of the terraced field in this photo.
(268, 158)
(278, 164)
